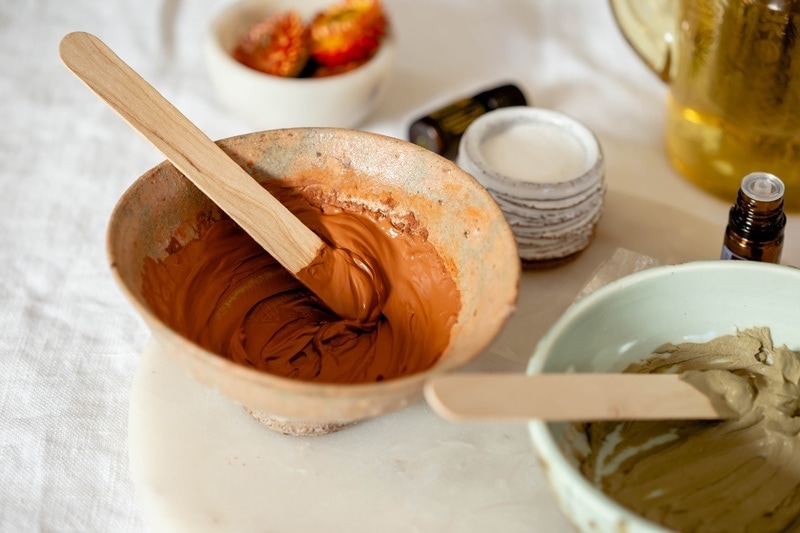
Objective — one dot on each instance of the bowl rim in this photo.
(540, 433)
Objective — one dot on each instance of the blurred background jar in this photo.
(733, 69)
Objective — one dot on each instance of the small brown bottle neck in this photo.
(757, 220)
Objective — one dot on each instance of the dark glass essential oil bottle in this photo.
(756, 221)
(440, 131)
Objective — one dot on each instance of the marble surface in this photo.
(201, 464)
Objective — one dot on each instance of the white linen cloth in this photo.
(70, 342)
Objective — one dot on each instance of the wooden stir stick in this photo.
(204, 163)
(567, 397)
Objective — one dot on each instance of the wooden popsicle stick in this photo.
(567, 397)
(204, 163)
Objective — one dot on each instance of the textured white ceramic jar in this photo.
(545, 170)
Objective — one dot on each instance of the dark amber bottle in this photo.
(441, 130)
(756, 221)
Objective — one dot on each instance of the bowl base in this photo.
(297, 428)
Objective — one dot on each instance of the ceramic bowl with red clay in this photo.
(463, 223)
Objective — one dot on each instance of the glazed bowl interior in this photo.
(381, 173)
(623, 322)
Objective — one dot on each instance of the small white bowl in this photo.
(271, 102)
(623, 322)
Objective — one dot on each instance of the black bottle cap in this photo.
(425, 133)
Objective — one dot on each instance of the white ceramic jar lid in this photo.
(531, 153)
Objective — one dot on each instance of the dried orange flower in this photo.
(338, 40)
(349, 32)
(278, 45)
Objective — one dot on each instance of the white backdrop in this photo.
(70, 343)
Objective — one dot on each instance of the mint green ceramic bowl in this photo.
(623, 322)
